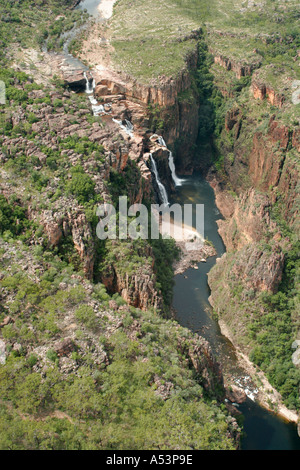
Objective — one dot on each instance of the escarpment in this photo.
(263, 157)
(239, 68)
(136, 283)
(166, 105)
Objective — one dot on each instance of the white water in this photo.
(177, 181)
(161, 141)
(162, 189)
(128, 128)
(97, 108)
(89, 85)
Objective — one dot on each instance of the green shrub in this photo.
(86, 315)
(52, 356)
(12, 217)
(32, 360)
(81, 185)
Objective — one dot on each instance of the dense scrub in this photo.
(99, 397)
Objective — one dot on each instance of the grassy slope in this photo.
(147, 33)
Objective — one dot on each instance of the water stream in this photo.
(162, 189)
(263, 430)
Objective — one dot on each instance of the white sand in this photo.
(106, 8)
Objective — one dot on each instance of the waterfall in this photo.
(128, 128)
(97, 108)
(89, 88)
(162, 189)
(161, 141)
(177, 181)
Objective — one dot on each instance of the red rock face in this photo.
(137, 289)
(263, 91)
(264, 163)
(62, 223)
(130, 100)
(296, 139)
(240, 69)
(279, 134)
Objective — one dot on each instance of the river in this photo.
(263, 430)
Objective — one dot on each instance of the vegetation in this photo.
(165, 252)
(49, 19)
(117, 388)
(13, 220)
(273, 333)
(96, 405)
(129, 380)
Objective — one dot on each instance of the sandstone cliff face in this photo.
(271, 165)
(248, 222)
(207, 367)
(263, 91)
(237, 281)
(137, 286)
(136, 101)
(253, 269)
(137, 289)
(60, 224)
(246, 227)
(267, 161)
(240, 69)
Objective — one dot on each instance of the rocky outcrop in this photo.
(61, 224)
(76, 80)
(64, 347)
(162, 92)
(206, 367)
(236, 395)
(138, 287)
(263, 91)
(142, 104)
(239, 68)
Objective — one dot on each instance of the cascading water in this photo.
(89, 84)
(162, 189)
(177, 181)
(97, 108)
(262, 430)
(161, 141)
(128, 128)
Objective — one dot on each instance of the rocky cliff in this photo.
(256, 186)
